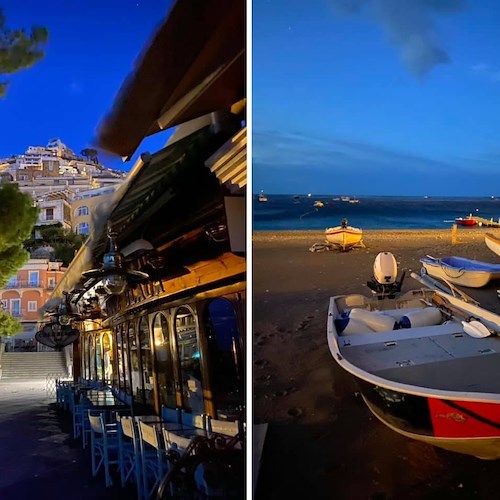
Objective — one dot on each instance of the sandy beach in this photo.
(322, 441)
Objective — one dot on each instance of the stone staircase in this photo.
(32, 365)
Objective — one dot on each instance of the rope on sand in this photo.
(307, 213)
(328, 247)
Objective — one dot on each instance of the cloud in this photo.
(288, 162)
(486, 71)
(409, 26)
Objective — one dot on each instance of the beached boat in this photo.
(461, 271)
(424, 369)
(344, 236)
(492, 242)
(466, 221)
(262, 197)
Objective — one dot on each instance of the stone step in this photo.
(32, 365)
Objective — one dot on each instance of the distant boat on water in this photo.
(296, 199)
(318, 204)
(466, 221)
(262, 197)
(345, 198)
(354, 200)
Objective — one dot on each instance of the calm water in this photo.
(282, 212)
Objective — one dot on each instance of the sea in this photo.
(284, 212)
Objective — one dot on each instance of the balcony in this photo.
(19, 313)
(24, 284)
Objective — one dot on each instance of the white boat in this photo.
(492, 242)
(461, 271)
(262, 197)
(344, 236)
(423, 367)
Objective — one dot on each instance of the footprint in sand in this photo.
(306, 322)
(261, 362)
(295, 412)
(280, 394)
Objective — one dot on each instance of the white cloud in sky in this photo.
(487, 71)
(286, 162)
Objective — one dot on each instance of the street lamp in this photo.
(113, 273)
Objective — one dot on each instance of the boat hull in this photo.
(466, 222)
(429, 383)
(344, 237)
(459, 275)
(467, 427)
(492, 242)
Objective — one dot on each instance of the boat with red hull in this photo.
(424, 368)
(466, 221)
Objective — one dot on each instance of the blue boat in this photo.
(461, 271)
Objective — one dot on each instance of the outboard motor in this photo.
(385, 272)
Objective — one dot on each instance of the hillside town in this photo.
(71, 191)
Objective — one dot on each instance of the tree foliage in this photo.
(19, 49)
(90, 154)
(9, 326)
(64, 241)
(17, 219)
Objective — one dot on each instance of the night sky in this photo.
(376, 97)
(92, 48)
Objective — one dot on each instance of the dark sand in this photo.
(322, 441)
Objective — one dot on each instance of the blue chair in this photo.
(170, 414)
(104, 445)
(153, 458)
(129, 454)
(225, 427)
(194, 420)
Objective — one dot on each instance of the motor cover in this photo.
(385, 268)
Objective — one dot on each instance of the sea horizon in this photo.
(289, 212)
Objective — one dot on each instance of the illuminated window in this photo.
(82, 228)
(83, 210)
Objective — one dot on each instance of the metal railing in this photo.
(23, 284)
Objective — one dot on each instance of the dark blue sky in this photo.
(376, 97)
(92, 48)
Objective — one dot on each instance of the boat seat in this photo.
(449, 328)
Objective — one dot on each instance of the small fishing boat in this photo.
(318, 204)
(354, 200)
(492, 242)
(466, 221)
(427, 365)
(262, 197)
(344, 236)
(461, 271)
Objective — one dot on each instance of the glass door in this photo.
(164, 362)
(188, 354)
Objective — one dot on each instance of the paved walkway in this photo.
(38, 457)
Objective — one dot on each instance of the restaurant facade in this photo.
(158, 291)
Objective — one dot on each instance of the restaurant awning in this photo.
(195, 64)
